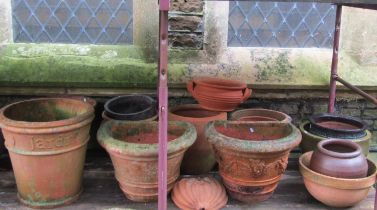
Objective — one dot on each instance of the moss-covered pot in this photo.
(133, 148)
(252, 156)
(309, 140)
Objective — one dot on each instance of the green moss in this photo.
(309, 71)
(274, 68)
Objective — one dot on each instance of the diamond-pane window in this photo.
(72, 21)
(280, 24)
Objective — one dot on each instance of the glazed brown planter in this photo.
(199, 193)
(260, 115)
(218, 94)
(47, 140)
(199, 158)
(133, 149)
(336, 192)
(339, 158)
(252, 156)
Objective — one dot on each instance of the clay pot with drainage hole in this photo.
(199, 158)
(130, 108)
(252, 156)
(339, 158)
(133, 148)
(47, 139)
(259, 115)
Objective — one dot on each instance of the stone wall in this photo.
(186, 18)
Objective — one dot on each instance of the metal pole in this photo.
(163, 105)
(334, 64)
(357, 90)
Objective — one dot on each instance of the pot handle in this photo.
(190, 86)
(246, 94)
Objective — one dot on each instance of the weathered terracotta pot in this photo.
(218, 94)
(336, 192)
(252, 156)
(309, 140)
(336, 126)
(339, 158)
(131, 108)
(260, 115)
(47, 140)
(199, 158)
(133, 148)
(199, 193)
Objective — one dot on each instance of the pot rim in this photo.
(338, 118)
(16, 125)
(368, 135)
(183, 142)
(205, 81)
(345, 184)
(357, 149)
(195, 107)
(266, 146)
(234, 116)
(124, 116)
(105, 117)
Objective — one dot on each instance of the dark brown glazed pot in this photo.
(339, 158)
(252, 156)
(199, 158)
(336, 126)
(259, 115)
(218, 94)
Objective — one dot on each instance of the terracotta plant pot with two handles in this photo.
(218, 94)
(133, 148)
(47, 139)
(252, 156)
(199, 158)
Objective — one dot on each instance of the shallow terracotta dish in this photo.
(336, 192)
(199, 193)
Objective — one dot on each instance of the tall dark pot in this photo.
(339, 158)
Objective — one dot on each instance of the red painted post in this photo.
(334, 64)
(163, 105)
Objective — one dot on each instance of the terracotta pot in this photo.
(336, 126)
(252, 156)
(106, 118)
(218, 94)
(131, 108)
(309, 140)
(339, 158)
(47, 140)
(260, 115)
(133, 149)
(199, 193)
(199, 158)
(336, 192)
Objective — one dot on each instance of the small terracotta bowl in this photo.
(336, 192)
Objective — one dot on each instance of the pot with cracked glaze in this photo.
(47, 140)
(133, 149)
(339, 158)
(199, 158)
(252, 156)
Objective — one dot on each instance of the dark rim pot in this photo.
(131, 107)
(339, 158)
(336, 126)
(259, 115)
(252, 156)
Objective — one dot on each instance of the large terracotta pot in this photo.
(133, 148)
(339, 158)
(199, 158)
(252, 156)
(130, 107)
(309, 140)
(47, 140)
(218, 94)
(260, 115)
(336, 192)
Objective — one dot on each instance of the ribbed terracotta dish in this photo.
(199, 193)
